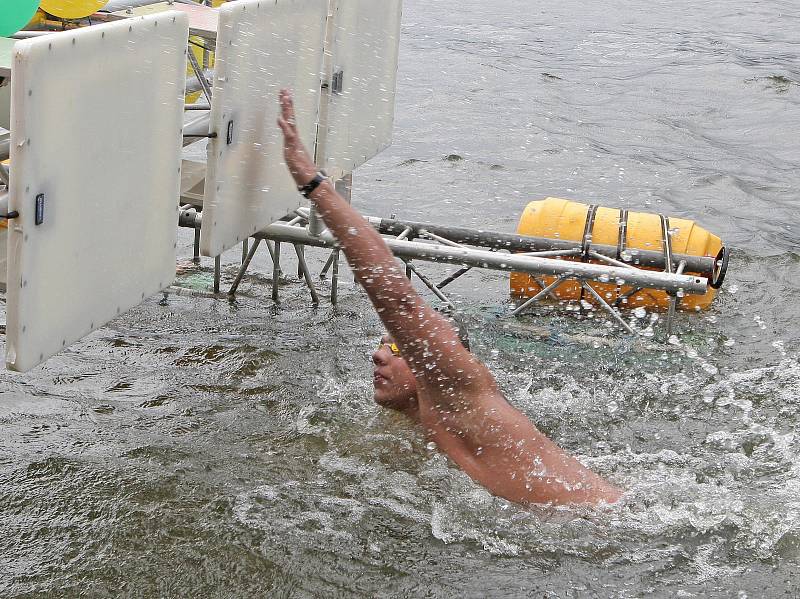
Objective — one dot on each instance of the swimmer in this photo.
(422, 369)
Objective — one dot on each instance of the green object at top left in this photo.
(15, 14)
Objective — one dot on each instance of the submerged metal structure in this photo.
(212, 73)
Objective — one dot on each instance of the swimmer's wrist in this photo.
(319, 178)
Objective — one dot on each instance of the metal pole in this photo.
(541, 284)
(245, 264)
(335, 278)
(608, 308)
(538, 296)
(196, 254)
(315, 223)
(673, 304)
(299, 249)
(404, 235)
(556, 253)
(217, 272)
(344, 187)
(522, 243)
(328, 264)
(459, 273)
(610, 261)
(500, 261)
(270, 248)
(429, 285)
(621, 298)
(244, 250)
(276, 271)
(301, 261)
(200, 75)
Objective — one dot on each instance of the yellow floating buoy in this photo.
(632, 233)
(72, 9)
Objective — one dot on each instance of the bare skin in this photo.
(435, 380)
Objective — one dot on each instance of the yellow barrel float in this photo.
(72, 9)
(633, 234)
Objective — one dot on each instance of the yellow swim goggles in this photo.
(392, 347)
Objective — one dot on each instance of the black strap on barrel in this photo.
(667, 239)
(622, 240)
(586, 242)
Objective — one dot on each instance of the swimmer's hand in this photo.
(297, 159)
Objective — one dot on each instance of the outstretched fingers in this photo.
(286, 120)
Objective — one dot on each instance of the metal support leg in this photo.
(621, 298)
(276, 271)
(217, 272)
(404, 235)
(607, 307)
(430, 285)
(538, 296)
(244, 250)
(674, 300)
(673, 304)
(540, 283)
(301, 261)
(335, 278)
(196, 254)
(243, 269)
(315, 224)
(328, 263)
(459, 273)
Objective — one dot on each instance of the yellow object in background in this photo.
(196, 43)
(38, 20)
(555, 218)
(72, 9)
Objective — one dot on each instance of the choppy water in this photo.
(209, 449)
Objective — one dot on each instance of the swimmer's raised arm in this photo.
(424, 336)
(458, 400)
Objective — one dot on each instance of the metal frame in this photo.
(466, 248)
(440, 247)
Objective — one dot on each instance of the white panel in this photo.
(5, 106)
(110, 185)
(364, 47)
(262, 46)
(3, 261)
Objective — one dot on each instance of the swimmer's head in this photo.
(394, 383)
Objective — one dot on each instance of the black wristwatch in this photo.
(309, 187)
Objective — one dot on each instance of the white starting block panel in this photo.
(97, 197)
(364, 46)
(202, 19)
(262, 46)
(3, 260)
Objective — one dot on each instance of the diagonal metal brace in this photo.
(608, 308)
(545, 291)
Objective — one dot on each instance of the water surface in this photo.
(215, 449)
